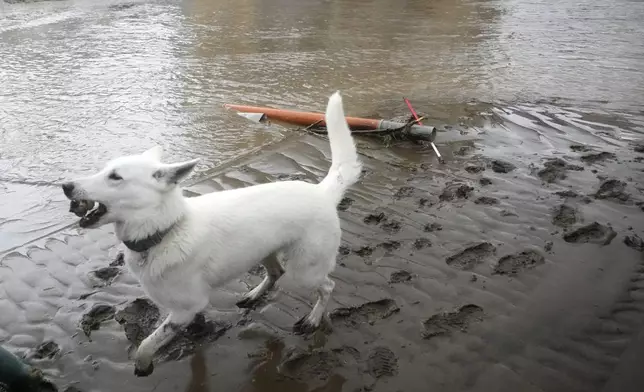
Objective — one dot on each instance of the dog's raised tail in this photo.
(345, 166)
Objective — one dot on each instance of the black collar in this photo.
(145, 244)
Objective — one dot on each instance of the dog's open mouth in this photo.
(88, 210)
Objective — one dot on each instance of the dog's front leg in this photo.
(143, 365)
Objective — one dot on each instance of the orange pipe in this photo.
(305, 118)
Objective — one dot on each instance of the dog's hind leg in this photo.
(274, 271)
(311, 322)
(310, 261)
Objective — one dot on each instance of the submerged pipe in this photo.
(306, 119)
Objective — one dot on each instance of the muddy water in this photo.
(84, 81)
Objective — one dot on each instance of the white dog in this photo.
(181, 248)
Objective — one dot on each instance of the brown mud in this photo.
(485, 244)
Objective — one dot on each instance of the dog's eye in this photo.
(114, 176)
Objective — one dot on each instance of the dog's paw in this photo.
(143, 371)
(304, 326)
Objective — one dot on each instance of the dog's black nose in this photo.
(68, 188)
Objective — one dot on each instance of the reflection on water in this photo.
(85, 81)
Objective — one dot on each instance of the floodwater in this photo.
(84, 81)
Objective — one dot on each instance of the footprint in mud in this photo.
(391, 227)
(390, 245)
(634, 242)
(369, 312)
(456, 191)
(425, 202)
(580, 148)
(555, 169)
(444, 324)
(474, 168)
(486, 200)
(463, 150)
(318, 365)
(104, 276)
(508, 213)
(99, 313)
(291, 177)
(471, 256)
(406, 191)
(564, 216)
(598, 157)
(612, 189)
(400, 276)
(119, 260)
(382, 362)
(431, 227)
(485, 181)
(345, 203)
(364, 251)
(344, 250)
(375, 219)
(140, 317)
(595, 233)
(48, 349)
(422, 243)
(567, 194)
(515, 263)
(499, 166)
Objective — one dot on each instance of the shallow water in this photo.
(84, 81)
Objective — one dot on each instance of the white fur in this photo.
(219, 236)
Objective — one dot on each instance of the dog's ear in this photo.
(155, 153)
(176, 172)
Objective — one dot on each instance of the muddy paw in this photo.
(304, 326)
(143, 372)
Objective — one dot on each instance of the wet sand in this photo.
(477, 275)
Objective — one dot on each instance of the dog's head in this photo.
(126, 187)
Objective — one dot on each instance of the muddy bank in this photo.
(446, 274)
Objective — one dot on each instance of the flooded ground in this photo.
(515, 266)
